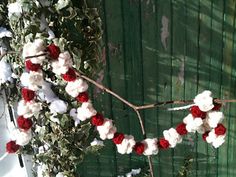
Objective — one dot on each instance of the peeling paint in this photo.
(181, 73)
(164, 31)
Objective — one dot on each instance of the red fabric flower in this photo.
(118, 138)
(139, 148)
(97, 120)
(31, 66)
(82, 97)
(163, 143)
(54, 51)
(205, 135)
(216, 107)
(181, 129)
(12, 147)
(27, 94)
(70, 75)
(196, 112)
(24, 123)
(220, 129)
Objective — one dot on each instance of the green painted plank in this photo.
(215, 72)
(191, 68)
(228, 27)
(204, 63)
(133, 63)
(231, 171)
(163, 80)
(149, 51)
(178, 73)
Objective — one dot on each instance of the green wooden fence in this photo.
(158, 50)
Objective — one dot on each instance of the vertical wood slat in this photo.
(142, 70)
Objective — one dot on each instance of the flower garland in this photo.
(204, 117)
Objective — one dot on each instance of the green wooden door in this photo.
(158, 50)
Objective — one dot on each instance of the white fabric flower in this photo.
(34, 48)
(58, 106)
(107, 130)
(14, 8)
(5, 72)
(5, 33)
(215, 140)
(22, 137)
(96, 142)
(127, 145)
(151, 146)
(28, 109)
(33, 80)
(192, 124)
(86, 111)
(204, 101)
(63, 63)
(76, 87)
(172, 137)
(214, 117)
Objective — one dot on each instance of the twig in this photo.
(135, 108)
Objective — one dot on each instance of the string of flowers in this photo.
(204, 117)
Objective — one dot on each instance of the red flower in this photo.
(27, 94)
(220, 129)
(54, 51)
(163, 143)
(24, 123)
(196, 112)
(97, 120)
(139, 148)
(70, 75)
(118, 138)
(205, 135)
(31, 66)
(12, 147)
(82, 97)
(216, 107)
(181, 129)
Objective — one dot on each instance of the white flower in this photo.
(23, 137)
(96, 142)
(54, 119)
(85, 111)
(60, 175)
(33, 80)
(107, 130)
(63, 63)
(204, 101)
(34, 48)
(151, 146)
(192, 124)
(28, 109)
(127, 145)
(14, 8)
(215, 140)
(76, 87)
(172, 137)
(58, 106)
(5, 72)
(214, 117)
(5, 33)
